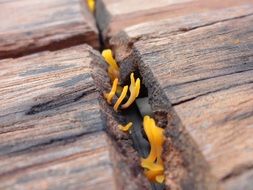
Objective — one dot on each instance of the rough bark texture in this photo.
(198, 72)
(32, 25)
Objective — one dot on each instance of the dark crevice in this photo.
(138, 136)
(186, 167)
(100, 36)
(129, 163)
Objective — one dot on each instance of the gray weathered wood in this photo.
(200, 74)
(52, 122)
(113, 15)
(48, 96)
(32, 25)
(77, 164)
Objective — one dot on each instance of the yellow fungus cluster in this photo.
(134, 91)
(91, 5)
(113, 72)
(153, 164)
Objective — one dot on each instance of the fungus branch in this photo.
(111, 94)
(113, 69)
(127, 127)
(134, 91)
(121, 98)
(91, 5)
(153, 164)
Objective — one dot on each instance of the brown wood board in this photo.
(77, 164)
(53, 121)
(29, 26)
(202, 72)
(113, 15)
(48, 96)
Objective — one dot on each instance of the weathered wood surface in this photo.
(48, 96)
(77, 164)
(52, 125)
(32, 25)
(199, 69)
(113, 15)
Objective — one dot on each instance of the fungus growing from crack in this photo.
(153, 164)
(111, 94)
(126, 127)
(91, 5)
(113, 69)
(121, 98)
(134, 91)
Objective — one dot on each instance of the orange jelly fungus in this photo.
(111, 94)
(126, 127)
(113, 69)
(134, 91)
(154, 169)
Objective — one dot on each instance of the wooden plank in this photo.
(201, 74)
(114, 16)
(78, 164)
(32, 25)
(47, 97)
(52, 122)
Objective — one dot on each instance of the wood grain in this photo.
(77, 164)
(113, 16)
(29, 26)
(200, 74)
(47, 97)
(53, 121)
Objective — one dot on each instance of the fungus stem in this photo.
(134, 91)
(126, 127)
(111, 94)
(153, 163)
(113, 70)
(121, 98)
(160, 178)
(91, 5)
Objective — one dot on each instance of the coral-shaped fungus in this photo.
(153, 164)
(113, 69)
(109, 96)
(91, 5)
(126, 128)
(134, 91)
(121, 98)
